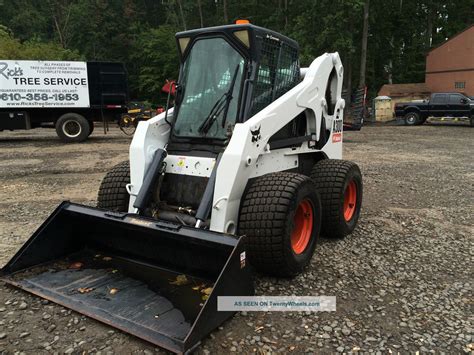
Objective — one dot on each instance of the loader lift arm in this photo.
(243, 152)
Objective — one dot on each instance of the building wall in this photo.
(450, 67)
(446, 82)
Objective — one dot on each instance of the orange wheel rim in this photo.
(303, 228)
(350, 200)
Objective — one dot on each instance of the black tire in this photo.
(72, 128)
(91, 127)
(412, 119)
(267, 218)
(332, 179)
(472, 121)
(113, 195)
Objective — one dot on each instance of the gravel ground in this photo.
(402, 279)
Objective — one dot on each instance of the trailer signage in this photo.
(25, 83)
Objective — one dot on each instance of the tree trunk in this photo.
(200, 13)
(429, 26)
(60, 14)
(363, 52)
(226, 15)
(348, 75)
(181, 13)
(390, 71)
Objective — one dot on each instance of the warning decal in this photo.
(337, 130)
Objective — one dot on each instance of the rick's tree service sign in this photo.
(26, 83)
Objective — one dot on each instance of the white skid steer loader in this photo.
(244, 172)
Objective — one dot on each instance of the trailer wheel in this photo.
(72, 127)
(339, 183)
(113, 195)
(281, 218)
(412, 119)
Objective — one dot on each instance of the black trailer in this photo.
(69, 96)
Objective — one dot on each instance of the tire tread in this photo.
(329, 177)
(263, 219)
(113, 195)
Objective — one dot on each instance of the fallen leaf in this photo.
(97, 256)
(181, 280)
(85, 289)
(114, 271)
(106, 258)
(205, 297)
(76, 265)
(292, 348)
(207, 291)
(113, 291)
(257, 329)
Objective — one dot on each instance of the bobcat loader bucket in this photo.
(157, 281)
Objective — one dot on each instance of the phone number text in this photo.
(39, 97)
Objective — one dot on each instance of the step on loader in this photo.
(243, 173)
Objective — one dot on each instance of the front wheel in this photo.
(281, 219)
(339, 183)
(412, 119)
(72, 128)
(113, 195)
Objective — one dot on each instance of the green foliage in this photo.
(141, 33)
(11, 48)
(154, 59)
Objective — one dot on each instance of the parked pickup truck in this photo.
(450, 104)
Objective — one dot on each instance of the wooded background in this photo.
(140, 33)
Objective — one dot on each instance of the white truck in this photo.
(69, 96)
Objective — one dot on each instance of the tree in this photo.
(397, 33)
(12, 48)
(60, 11)
(200, 13)
(153, 67)
(363, 50)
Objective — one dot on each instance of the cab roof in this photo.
(254, 31)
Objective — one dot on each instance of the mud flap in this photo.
(157, 281)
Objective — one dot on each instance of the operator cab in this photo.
(228, 74)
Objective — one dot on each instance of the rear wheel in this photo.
(91, 127)
(113, 195)
(339, 183)
(72, 128)
(281, 217)
(412, 119)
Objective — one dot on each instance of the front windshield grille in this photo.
(208, 76)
